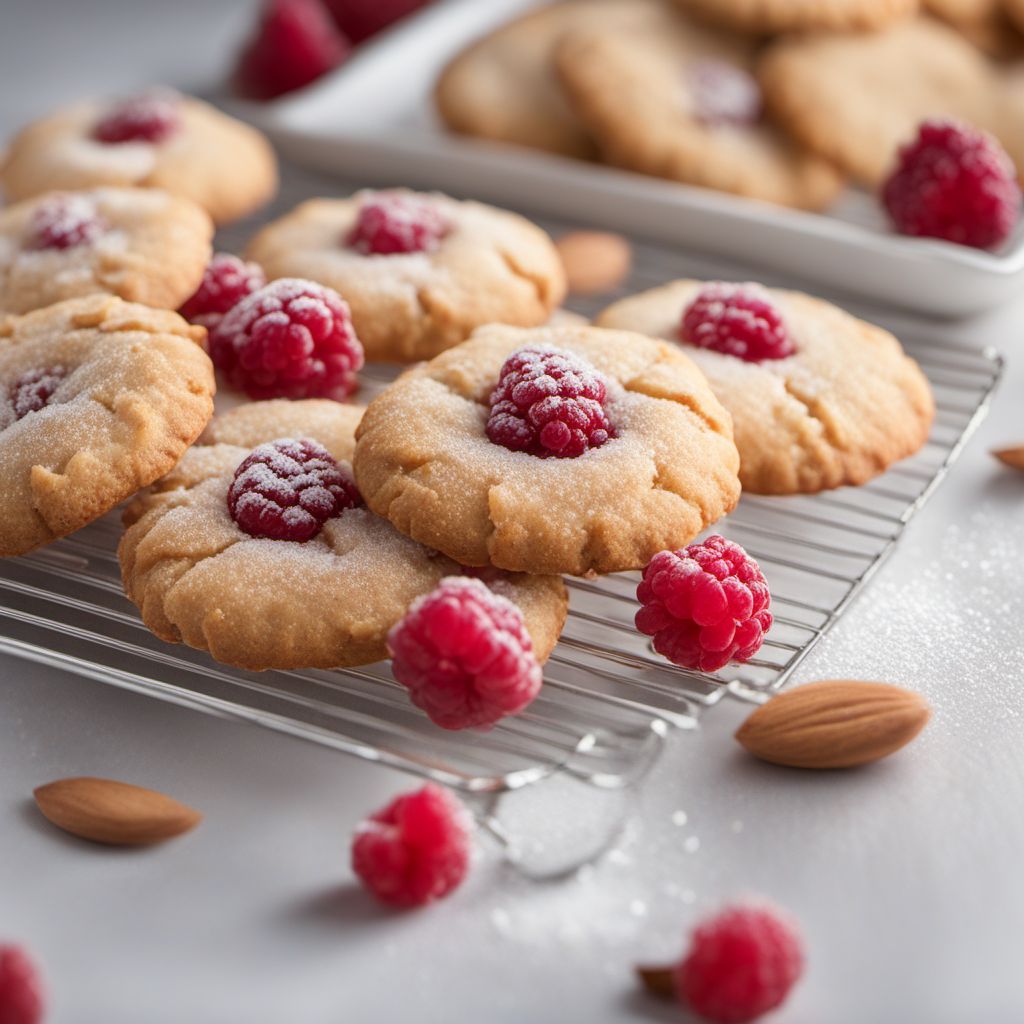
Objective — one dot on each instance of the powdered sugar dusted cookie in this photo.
(160, 140)
(140, 244)
(818, 398)
(559, 449)
(680, 101)
(419, 271)
(258, 548)
(98, 397)
(799, 15)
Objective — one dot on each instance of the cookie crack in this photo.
(812, 407)
(688, 402)
(538, 281)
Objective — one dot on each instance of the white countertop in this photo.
(905, 875)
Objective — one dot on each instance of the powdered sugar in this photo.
(723, 94)
(64, 221)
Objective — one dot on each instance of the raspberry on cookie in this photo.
(142, 245)
(98, 397)
(258, 548)
(559, 449)
(158, 139)
(818, 398)
(419, 271)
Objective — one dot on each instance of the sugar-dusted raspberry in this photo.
(288, 489)
(397, 222)
(953, 182)
(226, 281)
(741, 964)
(150, 117)
(33, 390)
(294, 44)
(705, 605)
(549, 402)
(290, 339)
(464, 654)
(21, 990)
(738, 320)
(64, 220)
(360, 19)
(415, 850)
(724, 94)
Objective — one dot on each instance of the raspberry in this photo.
(150, 117)
(226, 281)
(953, 182)
(724, 94)
(737, 320)
(294, 44)
(64, 220)
(289, 339)
(360, 19)
(34, 389)
(21, 994)
(705, 605)
(396, 222)
(288, 489)
(415, 850)
(741, 964)
(464, 654)
(549, 402)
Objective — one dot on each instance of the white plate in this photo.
(373, 118)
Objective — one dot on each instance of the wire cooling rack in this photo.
(608, 699)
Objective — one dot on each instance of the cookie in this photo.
(419, 271)
(159, 140)
(140, 244)
(679, 101)
(259, 602)
(664, 469)
(768, 16)
(98, 397)
(985, 23)
(840, 409)
(856, 98)
(504, 87)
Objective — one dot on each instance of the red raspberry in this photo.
(724, 94)
(465, 655)
(415, 850)
(294, 44)
(21, 991)
(397, 222)
(741, 964)
(738, 320)
(226, 281)
(953, 182)
(64, 220)
(549, 402)
(289, 339)
(705, 606)
(34, 389)
(360, 19)
(288, 489)
(151, 117)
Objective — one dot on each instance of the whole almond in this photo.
(1010, 456)
(834, 724)
(595, 261)
(114, 813)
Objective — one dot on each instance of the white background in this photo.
(906, 876)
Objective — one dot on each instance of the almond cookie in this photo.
(818, 398)
(856, 98)
(140, 244)
(160, 140)
(679, 101)
(559, 449)
(98, 397)
(258, 548)
(419, 271)
(504, 87)
(800, 15)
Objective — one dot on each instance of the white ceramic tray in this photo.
(373, 119)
